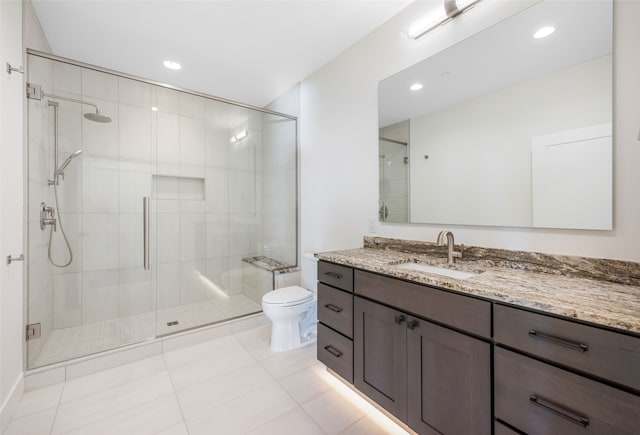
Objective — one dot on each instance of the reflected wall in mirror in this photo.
(507, 130)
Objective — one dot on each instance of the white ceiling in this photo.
(247, 51)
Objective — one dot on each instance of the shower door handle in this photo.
(145, 231)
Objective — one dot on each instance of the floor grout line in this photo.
(175, 394)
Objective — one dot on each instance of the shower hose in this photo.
(64, 235)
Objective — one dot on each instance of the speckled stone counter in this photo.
(552, 284)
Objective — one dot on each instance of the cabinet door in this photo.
(380, 352)
(449, 381)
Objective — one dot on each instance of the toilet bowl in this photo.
(293, 314)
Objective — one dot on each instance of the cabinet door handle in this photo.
(333, 351)
(333, 308)
(399, 319)
(559, 410)
(333, 275)
(411, 324)
(559, 340)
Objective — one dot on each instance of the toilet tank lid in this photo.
(287, 295)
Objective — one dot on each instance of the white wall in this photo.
(339, 141)
(11, 209)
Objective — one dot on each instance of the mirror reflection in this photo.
(508, 129)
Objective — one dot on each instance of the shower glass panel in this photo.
(220, 183)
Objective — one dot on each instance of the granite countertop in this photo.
(596, 301)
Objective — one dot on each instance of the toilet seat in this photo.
(287, 296)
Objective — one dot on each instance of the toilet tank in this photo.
(310, 272)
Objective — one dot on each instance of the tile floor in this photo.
(231, 385)
(65, 344)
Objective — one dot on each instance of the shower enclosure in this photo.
(151, 209)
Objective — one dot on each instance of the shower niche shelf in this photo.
(174, 187)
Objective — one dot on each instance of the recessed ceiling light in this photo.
(172, 65)
(154, 108)
(416, 86)
(544, 32)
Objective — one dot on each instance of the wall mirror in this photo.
(508, 129)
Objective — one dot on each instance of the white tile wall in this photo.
(167, 100)
(168, 135)
(99, 295)
(67, 300)
(134, 93)
(134, 292)
(99, 85)
(100, 185)
(192, 141)
(191, 105)
(134, 132)
(100, 241)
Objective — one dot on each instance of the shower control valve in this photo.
(47, 216)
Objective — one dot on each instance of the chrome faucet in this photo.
(451, 254)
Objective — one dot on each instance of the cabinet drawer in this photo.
(335, 275)
(336, 352)
(501, 429)
(606, 354)
(335, 309)
(538, 398)
(462, 312)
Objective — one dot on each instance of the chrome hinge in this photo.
(33, 331)
(34, 92)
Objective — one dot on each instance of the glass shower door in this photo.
(87, 287)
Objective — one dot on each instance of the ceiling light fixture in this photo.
(172, 65)
(544, 32)
(154, 108)
(444, 14)
(416, 86)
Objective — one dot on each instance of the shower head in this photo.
(66, 162)
(97, 117)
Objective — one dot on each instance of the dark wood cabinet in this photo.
(606, 354)
(335, 314)
(449, 378)
(380, 355)
(429, 356)
(433, 378)
(538, 398)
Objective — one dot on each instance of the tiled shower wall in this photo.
(279, 189)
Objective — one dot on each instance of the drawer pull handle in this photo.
(411, 324)
(559, 410)
(333, 308)
(333, 351)
(333, 275)
(559, 340)
(399, 319)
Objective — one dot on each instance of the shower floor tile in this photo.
(69, 343)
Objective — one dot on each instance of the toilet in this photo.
(293, 314)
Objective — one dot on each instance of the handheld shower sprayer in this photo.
(60, 170)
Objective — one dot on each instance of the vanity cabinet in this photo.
(335, 314)
(447, 363)
(552, 375)
(435, 379)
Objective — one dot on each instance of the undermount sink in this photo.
(419, 267)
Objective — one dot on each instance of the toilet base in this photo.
(286, 336)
